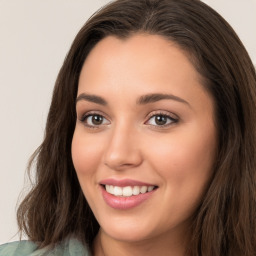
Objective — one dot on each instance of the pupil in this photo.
(161, 120)
(97, 119)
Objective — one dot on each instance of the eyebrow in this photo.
(144, 99)
(91, 98)
(154, 97)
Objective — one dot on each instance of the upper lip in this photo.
(124, 182)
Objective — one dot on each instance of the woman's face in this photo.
(145, 140)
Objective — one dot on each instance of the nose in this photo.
(122, 151)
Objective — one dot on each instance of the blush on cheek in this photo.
(183, 157)
(85, 157)
(79, 156)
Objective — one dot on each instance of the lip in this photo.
(124, 182)
(124, 203)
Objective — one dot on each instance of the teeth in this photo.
(143, 189)
(118, 191)
(150, 188)
(136, 190)
(128, 191)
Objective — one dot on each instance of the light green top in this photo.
(69, 247)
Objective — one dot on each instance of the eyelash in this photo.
(90, 114)
(172, 120)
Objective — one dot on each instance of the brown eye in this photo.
(161, 120)
(94, 120)
(97, 119)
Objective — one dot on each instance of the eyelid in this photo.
(83, 117)
(164, 113)
(91, 112)
(174, 118)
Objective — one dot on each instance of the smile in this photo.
(126, 194)
(128, 191)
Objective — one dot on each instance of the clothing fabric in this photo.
(69, 247)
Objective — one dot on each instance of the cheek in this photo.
(85, 154)
(184, 159)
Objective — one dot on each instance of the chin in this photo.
(130, 236)
(127, 231)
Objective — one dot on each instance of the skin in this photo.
(129, 143)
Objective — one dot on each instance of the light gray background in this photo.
(35, 36)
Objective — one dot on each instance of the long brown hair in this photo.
(225, 221)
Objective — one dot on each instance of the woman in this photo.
(150, 139)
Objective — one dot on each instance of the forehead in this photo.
(138, 65)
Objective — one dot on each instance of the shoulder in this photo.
(17, 248)
(69, 247)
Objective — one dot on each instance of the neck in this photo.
(166, 244)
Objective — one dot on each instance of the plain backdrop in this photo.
(35, 36)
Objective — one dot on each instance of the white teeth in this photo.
(128, 191)
(143, 189)
(150, 188)
(136, 190)
(118, 191)
(111, 189)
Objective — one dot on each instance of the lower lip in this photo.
(124, 203)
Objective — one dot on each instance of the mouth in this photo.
(128, 191)
(126, 194)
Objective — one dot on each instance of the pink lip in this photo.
(124, 203)
(124, 183)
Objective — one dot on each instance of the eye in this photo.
(161, 120)
(94, 120)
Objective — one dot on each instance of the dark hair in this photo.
(225, 221)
